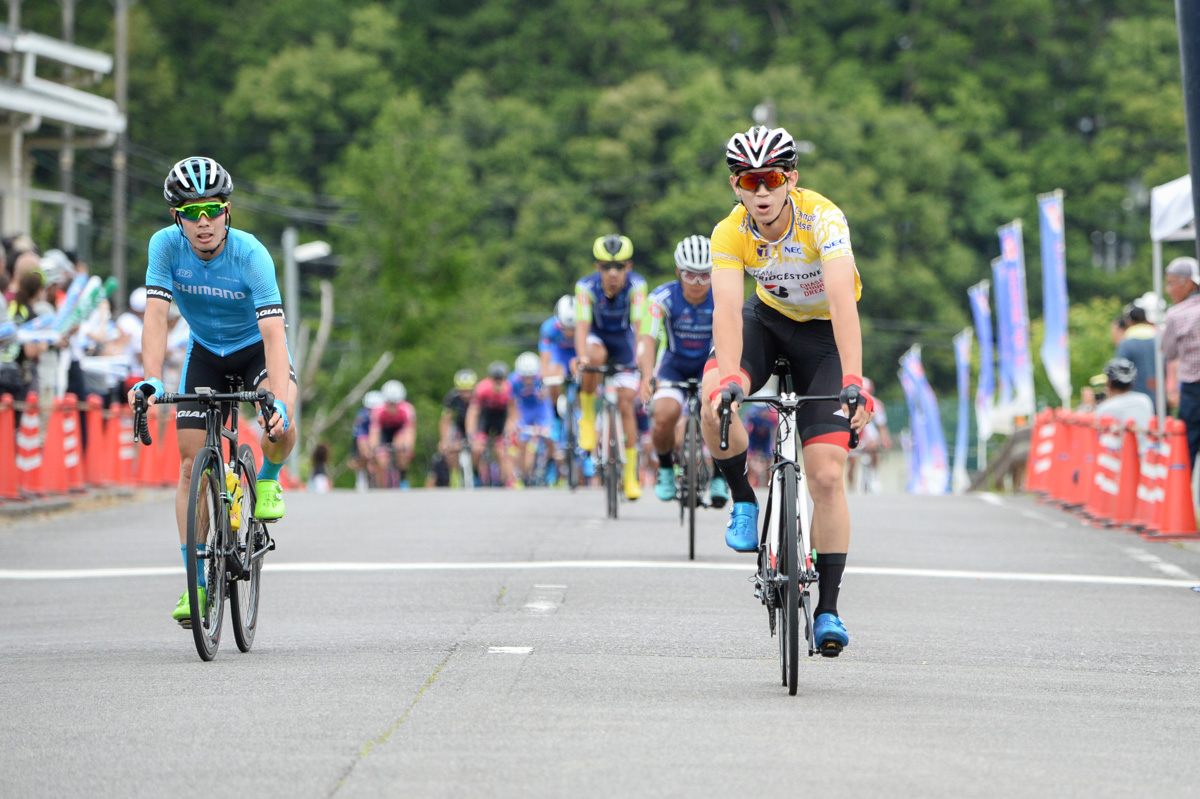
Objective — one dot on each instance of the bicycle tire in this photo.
(247, 540)
(691, 446)
(614, 462)
(207, 521)
(789, 642)
(571, 443)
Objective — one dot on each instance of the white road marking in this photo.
(1158, 564)
(509, 650)
(558, 565)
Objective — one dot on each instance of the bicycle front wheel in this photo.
(789, 641)
(250, 541)
(206, 534)
(612, 461)
(693, 455)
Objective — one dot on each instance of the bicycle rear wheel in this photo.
(789, 641)
(692, 455)
(206, 527)
(249, 544)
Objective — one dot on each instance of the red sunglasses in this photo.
(750, 180)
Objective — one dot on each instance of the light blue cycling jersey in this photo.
(222, 299)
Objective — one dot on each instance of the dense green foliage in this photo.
(462, 155)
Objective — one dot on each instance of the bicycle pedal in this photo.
(271, 545)
(186, 624)
(831, 649)
(716, 503)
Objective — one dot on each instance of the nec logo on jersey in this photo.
(835, 244)
(793, 249)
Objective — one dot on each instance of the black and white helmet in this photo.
(694, 254)
(761, 147)
(1121, 371)
(195, 178)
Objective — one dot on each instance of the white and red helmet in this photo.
(759, 148)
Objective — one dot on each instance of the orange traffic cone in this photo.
(29, 447)
(147, 457)
(72, 443)
(1042, 460)
(168, 456)
(1103, 490)
(1060, 471)
(54, 453)
(94, 462)
(10, 487)
(120, 443)
(1178, 520)
(1128, 477)
(1083, 449)
(1145, 517)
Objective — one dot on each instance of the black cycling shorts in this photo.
(492, 421)
(205, 368)
(812, 355)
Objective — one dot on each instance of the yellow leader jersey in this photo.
(789, 271)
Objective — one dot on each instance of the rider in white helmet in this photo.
(393, 432)
(531, 406)
(556, 348)
(679, 322)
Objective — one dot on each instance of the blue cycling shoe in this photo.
(831, 635)
(741, 533)
(664, 488)
(718, 491)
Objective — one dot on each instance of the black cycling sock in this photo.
(734, 470)
(665, 459)
(830, 566)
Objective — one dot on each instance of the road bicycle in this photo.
(609, 435)
(568, 410)
(787, 565)
(228, 540)
(693, 476)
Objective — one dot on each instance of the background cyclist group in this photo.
(794, 242)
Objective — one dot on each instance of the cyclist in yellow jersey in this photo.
(796, 245)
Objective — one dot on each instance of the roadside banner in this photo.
(929, 442)
(1012, 264)
(1056, 351)
(985, 389)
(962, 360)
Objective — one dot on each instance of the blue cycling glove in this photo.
(154, 384)
(281, 409)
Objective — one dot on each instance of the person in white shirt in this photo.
(1122, 402)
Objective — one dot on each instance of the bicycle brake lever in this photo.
(266, 402)
(141, 426)
(725, 420)
(853, 406)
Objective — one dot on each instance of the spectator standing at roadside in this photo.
(1124, 403)
(1138, 347)
(1181, 340)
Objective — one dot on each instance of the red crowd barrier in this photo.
(1094, 469)
(35, 462)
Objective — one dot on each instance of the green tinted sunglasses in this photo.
(194, 211)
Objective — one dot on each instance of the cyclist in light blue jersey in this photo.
(223, 281)
(680, 314)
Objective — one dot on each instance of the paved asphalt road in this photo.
(543, 651)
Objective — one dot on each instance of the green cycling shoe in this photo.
(183, 610)
(269, 505)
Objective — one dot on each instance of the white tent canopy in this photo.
(1172, 218)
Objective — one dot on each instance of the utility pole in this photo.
(1187, 15)
(68, 237)
(120, 179)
